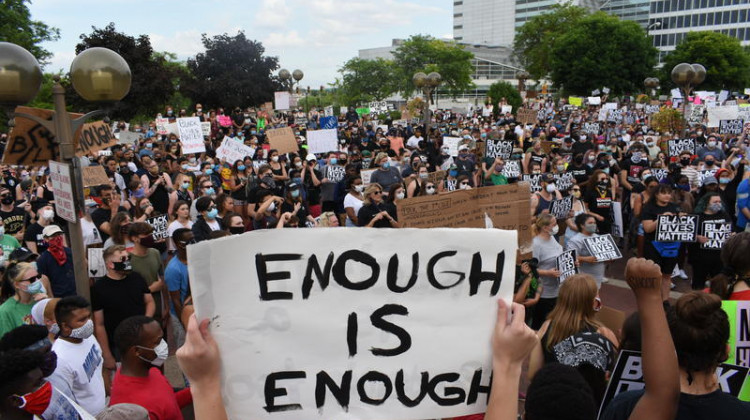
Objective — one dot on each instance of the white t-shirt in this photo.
(353, 202)
(91, 235)
(173, 227)
(79, 373)
(413, 142)
(213, 224)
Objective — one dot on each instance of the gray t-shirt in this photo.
(386, 178)
(595, 270)
(547, 252)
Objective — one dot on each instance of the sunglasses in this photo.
(377, 192)
(33, 279)
(464, 183)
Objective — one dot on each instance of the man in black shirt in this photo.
(109, 205)
(582, 144)
(12, 215)
(120, 294)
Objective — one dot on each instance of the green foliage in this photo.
(500, 90)
(532, 46)
(668, 120)
(602, 50)
(152, 78)
(727, 63)
(17, 27)
(233, 71)
(318, 99)
(366, 80)
(424, 53)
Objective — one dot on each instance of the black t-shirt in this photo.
(582, 146)
(13, 220)
(651, 211)
(716, 405)
(301, 214)
(34, 234)
(100, 216)
(633, 169)
(119, 299)
(367, 213)
(580, 173)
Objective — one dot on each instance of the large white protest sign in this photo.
(452, 144)
(718, 113)
(281, 100)
(327, 324)
(128, 137)
(322, 141)
(191, 135)
(232, 150)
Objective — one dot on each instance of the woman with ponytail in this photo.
(733, 283)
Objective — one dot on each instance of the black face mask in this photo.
(236, 230)
(7, 200)
(123, 266)
(685, 161)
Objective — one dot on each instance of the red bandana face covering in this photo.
(36, 402)
(57, 250)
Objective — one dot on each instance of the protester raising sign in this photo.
(320, 323)
(495, 148)
(512, 169)
(730, 127)
(717, 232)
(232, 150)
(738, 312)
(322, 141)
(677, 146)
(603, 247)
(677, 228)
(160, 224)
(628, 376)
(283, 140)
(566, 264)
(191, 135)
(591, 128)
(534, 180)
(561, 208)
(452, 144)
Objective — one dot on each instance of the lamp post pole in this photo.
(427, 83)
(651, 83)
(98, 75)
(687, 76)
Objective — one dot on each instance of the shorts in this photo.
(667, 264)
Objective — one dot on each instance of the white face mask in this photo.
(555, 229)
(162, 352)
(359, 188)
(48, 214)
(83, 332)
(275, 158)
(550, 188)
(400, 195)
(272, 207)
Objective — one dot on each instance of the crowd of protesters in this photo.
(63, 357)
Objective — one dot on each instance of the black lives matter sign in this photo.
(495, 148)
(733, 127)
(603, 247)
(566, 264)
(561, 208)
(677, 146)
(160, 224)
(716, 233)
(677, 228)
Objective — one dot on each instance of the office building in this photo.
(484, 22)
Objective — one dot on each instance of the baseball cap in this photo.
(21, 254)
(710, 180)
(123, 412)
(51, 230)
(463, 147)
(310, 157)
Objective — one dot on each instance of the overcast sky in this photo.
(316, 36)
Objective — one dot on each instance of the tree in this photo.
(366, 80)
(152, 79)
(426, 54)
(727, 63)
(532, 46)
(17, 27)
(500, 90)
(232, 72)
(602, 50)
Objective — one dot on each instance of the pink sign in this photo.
(224, 120)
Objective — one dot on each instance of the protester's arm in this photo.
(536, 360)
(511, 344)
(150, 305)
(101, 337)
(200, 361)
(624, 180)
(520, 295)
(660, 368)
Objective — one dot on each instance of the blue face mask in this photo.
(209, 171)
(484, 135)
(453, 173)
(294, 193)
(217, 168)
(297, 180)
(240, 167)
(386, 164)
(184, 167)
(210, 191)
(212, 213)
(333, 161)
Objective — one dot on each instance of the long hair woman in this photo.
(733, 283)
(546, 250)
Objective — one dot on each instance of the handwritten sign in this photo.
(62, 185)
(97, 266)
(566, 264)
(128, 137)
(452, 144)
(339, 326)
(160, 224)
(731, 127)
(232, 150)
(161, 126)
(191, 135)
(561, 208)
(94, 137)
(29, 142)
(677, 228)
(283, 140)
(527, 116)
(717, 232)
(677, 146)
(603, 247)
(206, 128)
(495, 148)
(366, 175)
(506, 205)
(281, 100)
(322, 141)
(94, 175)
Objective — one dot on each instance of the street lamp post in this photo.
(522, 76)
(651, 83)
(687, 76)
(290, 78)
(427, 83)
(98, 75)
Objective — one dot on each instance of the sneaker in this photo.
(683, 275)
(676, 272)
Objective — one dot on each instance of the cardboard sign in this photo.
(677, 228)
(506, 205)
(29, 142)
(62, 186)
(717, 232)
(738, 312)
(97, 266)
(191, 135)
(627, 375)
(268, 107)
(452, 144)
(566, 264)
(340, 325)
(94, 137)
(160, 224)
(128, 137)
(161, 126)
(436, 177)
(733, 127)
(232, 150)
(322, 141)
(283, 140)
(512, 169)
(561, 208)
(94, 175)
(495, 148)
(592, 128)
(527, 116)
(603, 247)
(677, 146)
